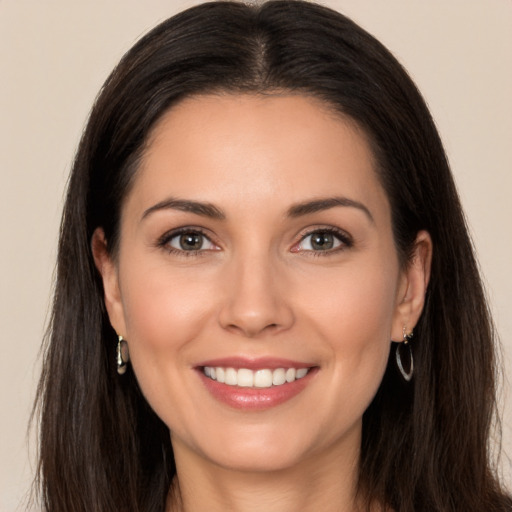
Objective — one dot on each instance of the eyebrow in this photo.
(199, 208)
(318, 205)
(296, 210)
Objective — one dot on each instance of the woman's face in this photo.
(257, 240)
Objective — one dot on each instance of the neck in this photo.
(326, 482)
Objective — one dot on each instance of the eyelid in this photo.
(164, 240)
(345, 239)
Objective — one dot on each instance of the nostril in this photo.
(251, 330)
(252, 311)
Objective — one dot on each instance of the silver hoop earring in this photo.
(122, 356)
(407, 375)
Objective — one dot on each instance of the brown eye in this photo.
(322, 241)
(190, 241)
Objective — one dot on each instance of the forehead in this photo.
(254, 148)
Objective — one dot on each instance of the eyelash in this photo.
(345, 240)
(166, 238)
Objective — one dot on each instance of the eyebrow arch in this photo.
(184, 205)
(318, 205)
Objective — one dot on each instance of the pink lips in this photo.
(255, 399)
(254, 364)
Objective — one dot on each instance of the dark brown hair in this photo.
(425, 443)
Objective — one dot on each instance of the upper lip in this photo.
(270, 363)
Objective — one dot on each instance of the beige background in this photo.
(54, 56)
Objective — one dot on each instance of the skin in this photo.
(259, 288)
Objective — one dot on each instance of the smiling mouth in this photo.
(255, 384)
(263, 378)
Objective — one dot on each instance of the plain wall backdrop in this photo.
(54, 56)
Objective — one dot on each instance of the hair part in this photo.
(425, 445)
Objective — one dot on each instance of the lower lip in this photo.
(255, 399)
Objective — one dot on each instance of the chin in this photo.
(251, 451)
(256, 461)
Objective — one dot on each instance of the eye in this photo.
(323, 240)
(189, 240)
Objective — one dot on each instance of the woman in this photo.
(260, 205)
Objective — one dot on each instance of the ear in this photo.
(413, 287)
(108, 271)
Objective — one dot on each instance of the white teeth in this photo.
(231, 377)
(263, 378)
(220, 374)
(301, 372)
(245, 378)
(290, 374)
(278, 377)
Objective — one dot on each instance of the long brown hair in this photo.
(425, 443)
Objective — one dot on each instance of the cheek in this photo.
(354, 304)
(354, 320)
(164, 311)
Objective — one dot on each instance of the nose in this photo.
(256, 302)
